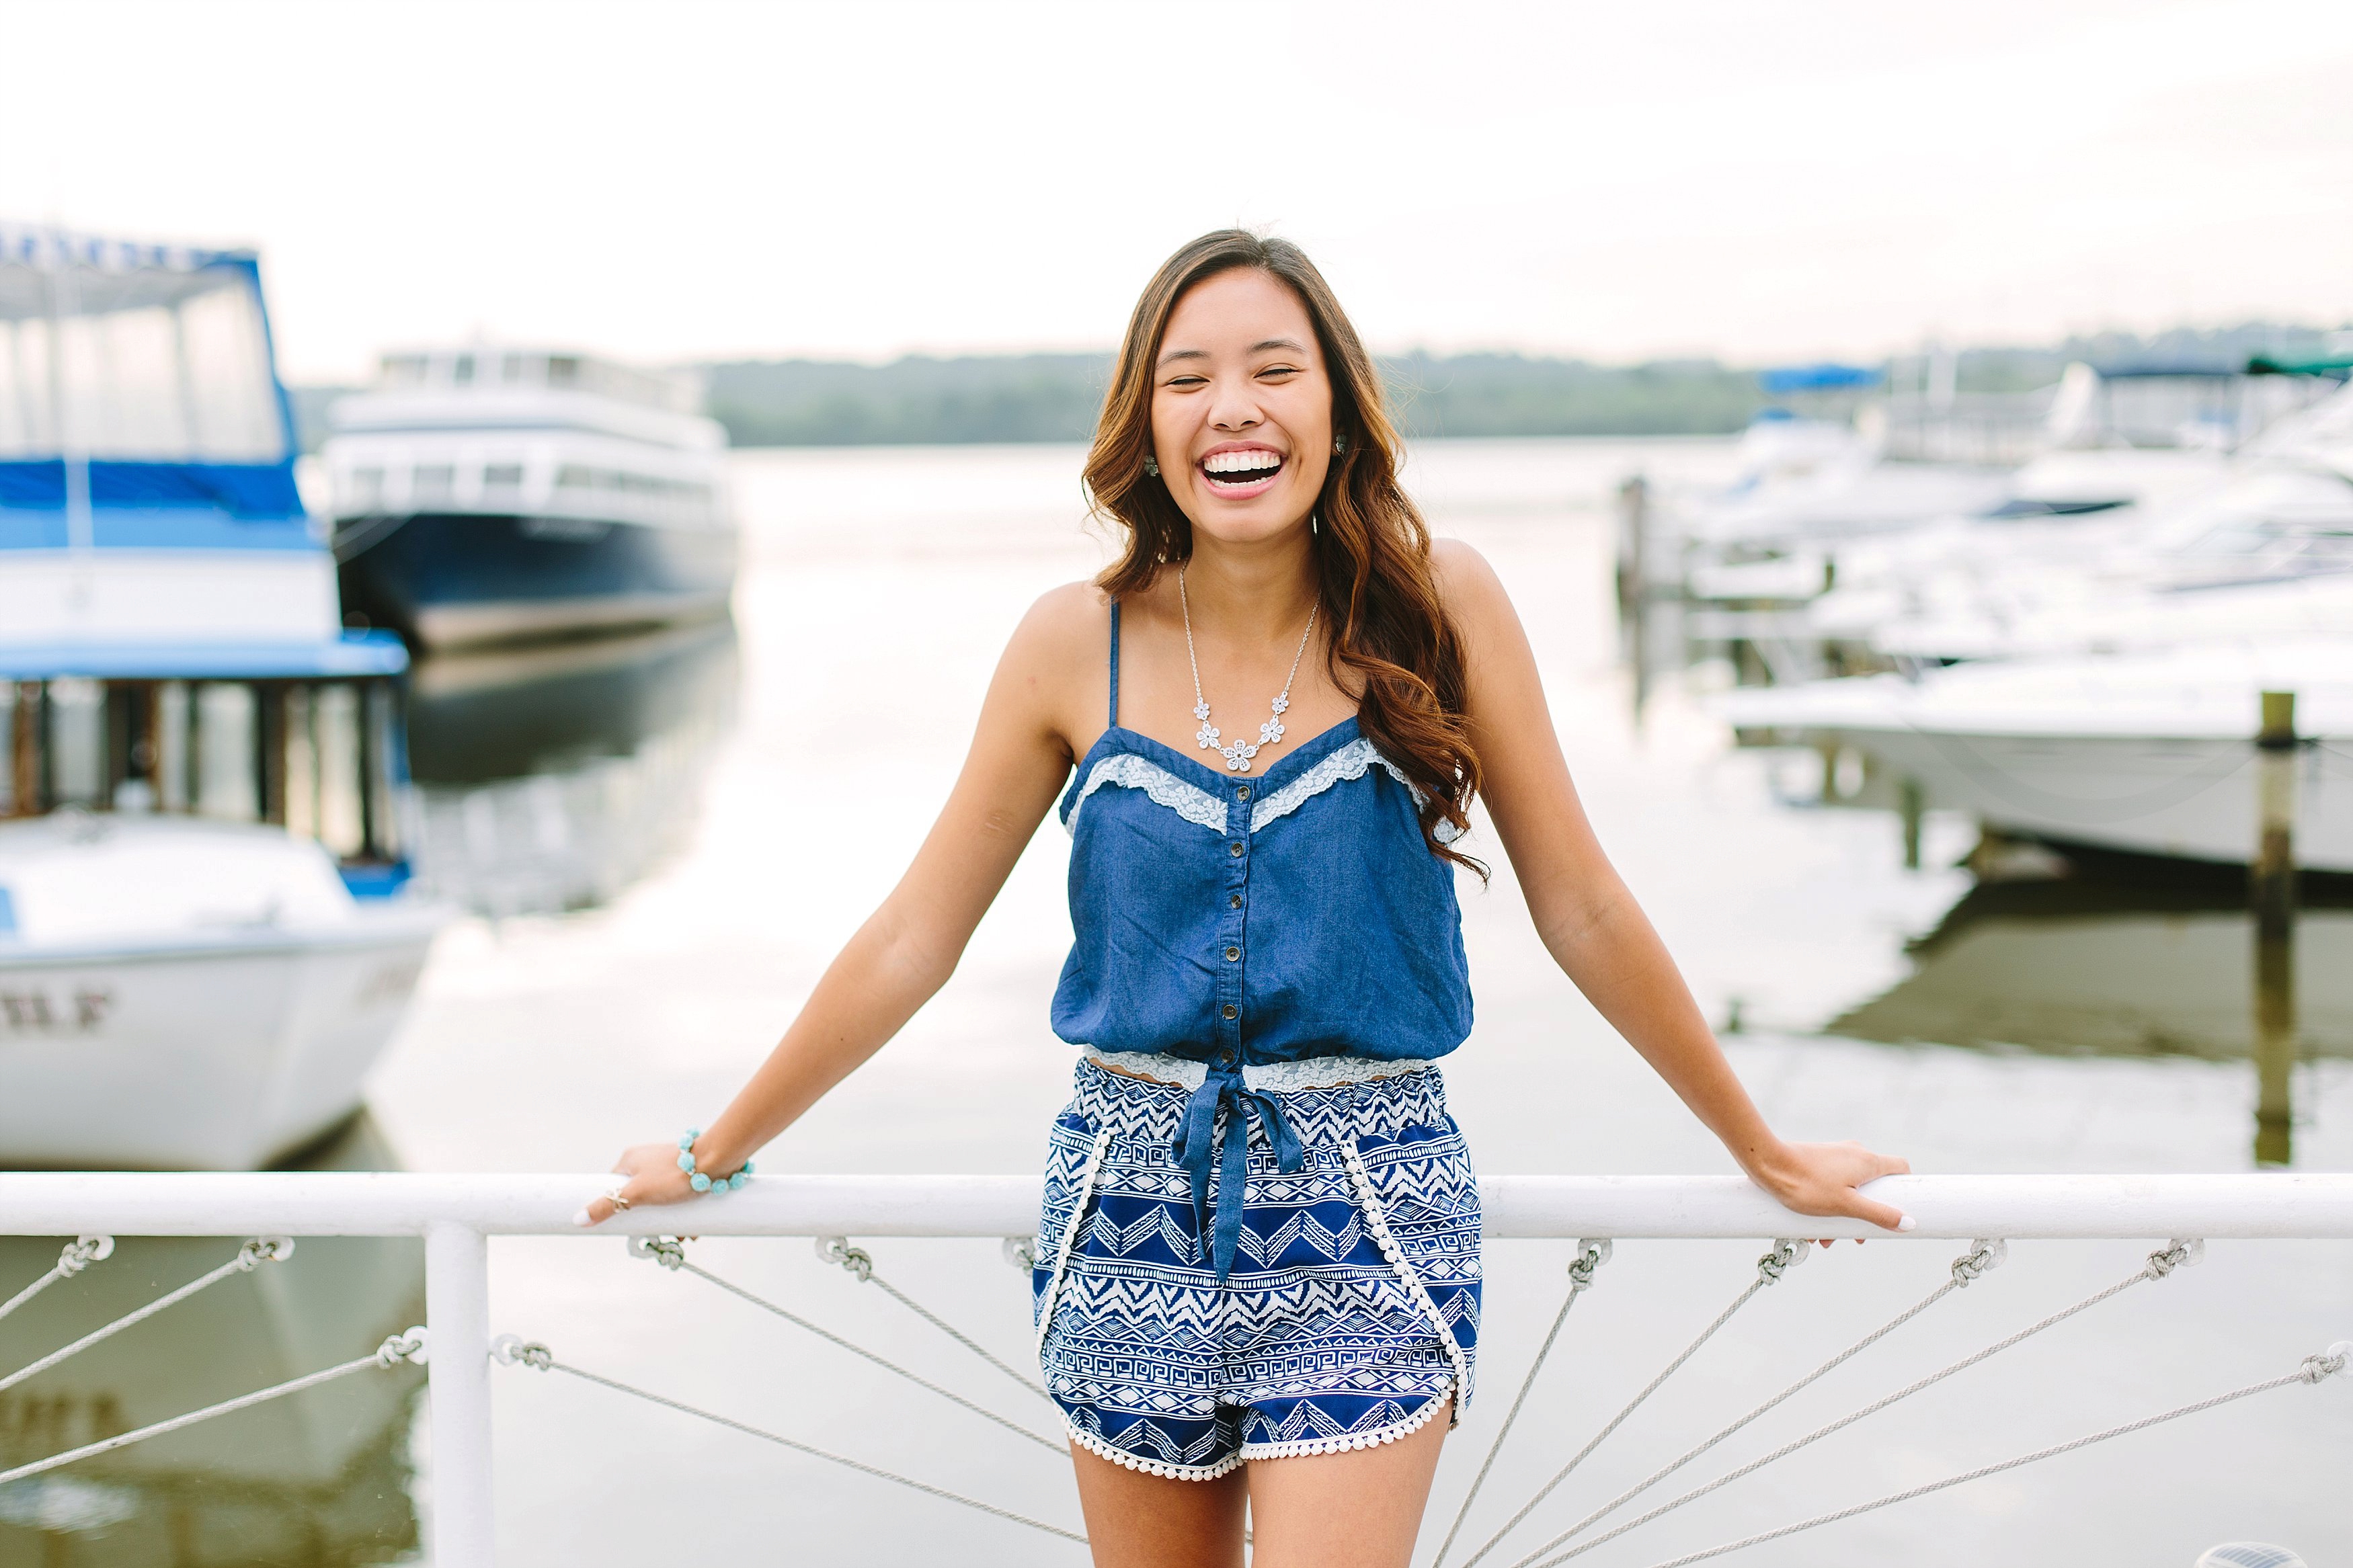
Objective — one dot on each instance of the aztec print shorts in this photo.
(1351, 1312)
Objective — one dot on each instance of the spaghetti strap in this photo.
(1114, 664)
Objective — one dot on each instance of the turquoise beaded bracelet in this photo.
(699, 1181)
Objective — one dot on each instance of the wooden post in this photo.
(1633, 589)
(2271, 885)
(1913, 803)
(25, 785)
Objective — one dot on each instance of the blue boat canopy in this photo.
(354, 654)
(1823, 377)
(138, 382)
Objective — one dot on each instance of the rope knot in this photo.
(409, 1345)
(514, 1350)
(1984, 1255)
(2328, 1362)
(1591, 1256)
(81, 1254)
(666, 1251)
(264, 1249)
(2177, 1254)
(1021, 1252)
(1785, 1255)
(836, 1249)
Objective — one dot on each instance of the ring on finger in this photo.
(616, 1200)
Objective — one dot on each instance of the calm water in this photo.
(667, 839)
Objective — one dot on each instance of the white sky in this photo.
(1618, 180)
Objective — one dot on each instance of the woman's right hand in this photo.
(653, 1179)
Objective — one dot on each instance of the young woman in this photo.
(1258, 1268)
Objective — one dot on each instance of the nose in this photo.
(1236, 409)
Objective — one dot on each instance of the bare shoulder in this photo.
(1052, 665)
(1065, 621)
(1470, 589)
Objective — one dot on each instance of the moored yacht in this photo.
(202, 785)
(2149, 754)
(486, 495)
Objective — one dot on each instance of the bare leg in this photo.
(1357, 1510)
(1136, 1520)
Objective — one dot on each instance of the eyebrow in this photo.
(1257, 348)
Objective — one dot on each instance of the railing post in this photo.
(458, 1311)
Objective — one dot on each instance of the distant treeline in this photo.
(1054, 398)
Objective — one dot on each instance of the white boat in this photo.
(2144, 480)
(203, 799)
(486, 495)
(2264, 550)
(187, 994)
(2150, 754)
(1803, 481)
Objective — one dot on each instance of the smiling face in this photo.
(1241, 408)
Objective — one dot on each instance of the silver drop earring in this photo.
(1339, 444)
(1152, 467)
(1311, 523)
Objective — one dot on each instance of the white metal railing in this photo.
(455, 1215)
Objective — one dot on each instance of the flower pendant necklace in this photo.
(1238, 755)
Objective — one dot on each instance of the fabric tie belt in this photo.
(1224, 1090)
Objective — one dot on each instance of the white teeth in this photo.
(1253, 462)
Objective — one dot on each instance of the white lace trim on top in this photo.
(1276, 1078)
(1131, 771)
(1197, 804)
(1350, 762)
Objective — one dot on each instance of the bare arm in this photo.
(1589, 921)
(908, 947)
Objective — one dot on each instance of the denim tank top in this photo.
(1246, 919)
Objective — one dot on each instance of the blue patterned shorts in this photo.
(1351, 1309)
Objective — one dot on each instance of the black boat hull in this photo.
(449, 580)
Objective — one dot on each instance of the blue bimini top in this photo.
(1245, 919)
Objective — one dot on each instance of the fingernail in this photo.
(1907, 1223)
(580, 1217)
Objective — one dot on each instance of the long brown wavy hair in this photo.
(1390, 631)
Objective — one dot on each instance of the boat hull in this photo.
(2188, 798)
(222, 1055)
(458, 580)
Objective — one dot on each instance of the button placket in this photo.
(1230, 946)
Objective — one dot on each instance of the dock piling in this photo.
(2272, 891)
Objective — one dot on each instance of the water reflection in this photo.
(319, 1478)
(550, 778)
(2092, 954)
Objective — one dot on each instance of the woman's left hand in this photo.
(1822, 1179)
(650, 1175)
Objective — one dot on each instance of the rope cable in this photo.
(2158, 1266)
(2315, 1368)
(539, 1357)
(836, 1249)
(667, 1252)
(1591, 1256)
(1984, 1255)
(1770, 1269)
(397, 1348)
(78, 1255)
(265, 1249)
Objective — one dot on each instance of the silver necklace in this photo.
(1238, 755)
